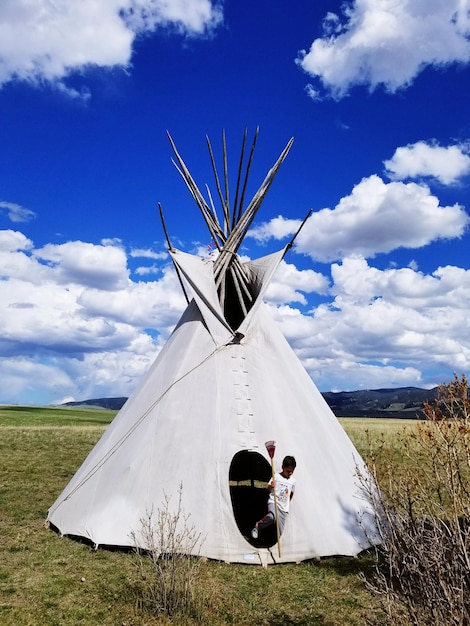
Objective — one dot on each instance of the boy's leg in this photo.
(267, 520)
(264, 522)
(270, 518)
(281, 520)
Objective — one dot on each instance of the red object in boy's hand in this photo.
(271, 448)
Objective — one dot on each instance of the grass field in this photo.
(48, 580)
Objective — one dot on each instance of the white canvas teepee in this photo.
(225, 382)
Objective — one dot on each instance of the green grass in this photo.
(48, 580)
(53, 416)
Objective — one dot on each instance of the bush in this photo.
(168, 564)
(422, 575)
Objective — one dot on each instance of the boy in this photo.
(284, 484)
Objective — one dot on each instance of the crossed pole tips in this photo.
(271, 448)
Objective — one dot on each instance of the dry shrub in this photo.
(422, 575)
(169, 565)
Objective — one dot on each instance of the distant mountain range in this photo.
(404, 402)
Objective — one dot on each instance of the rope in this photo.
(124, 438)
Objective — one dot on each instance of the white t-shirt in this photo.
(285, 488)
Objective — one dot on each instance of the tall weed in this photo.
(422, 575)
(169, 562)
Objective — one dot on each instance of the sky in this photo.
(376, 93)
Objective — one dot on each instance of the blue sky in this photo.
(375, 293)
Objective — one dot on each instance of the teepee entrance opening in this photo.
(248, 475)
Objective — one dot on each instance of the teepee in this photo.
(225, 382)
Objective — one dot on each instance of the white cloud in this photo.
(86, 264)
(32, 381)
(277, 228)
(355, 282)
(147, 270)
(384, 328)
(387, 42)
(46, 41)
(186, 16)
(15, 212)
(402, 315)
(153, 304)
(380, 217)
(74, 323)
(288, 283)
(12, 240)
(112, 373)
(60, 378)
(314, 94)
(325, 344)
(46, 318)
(376, 217)
(148, 254)
(66, 334)
(446, 164)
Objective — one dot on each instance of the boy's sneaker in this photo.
(254, 532)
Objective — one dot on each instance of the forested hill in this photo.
(405, 402)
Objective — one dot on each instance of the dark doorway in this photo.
(248, 477)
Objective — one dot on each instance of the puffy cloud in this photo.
(15, 212)
(324, 342)
(288, 283)
(64, 309)
(74, 323)
(47, 319)
(277, 228)
(12, 240)
(55, 379)
(376, 217)
(46, 41)
(155, 304)
(386, 42)
(86, 264)
(64, 334)
(116, 371)
(402, 315)
(384, 328)
(355, 282)
(34, 382)
(446, 164)
(380, 217)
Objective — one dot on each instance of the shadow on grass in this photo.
(347, 565)
(282, 619)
